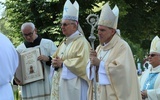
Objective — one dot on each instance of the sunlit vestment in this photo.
(39, 90)
(117, 78)
(150, 81)
(8, 64)
(72, 82)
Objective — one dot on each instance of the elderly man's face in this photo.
(154, 59)
(68, 27)
(29, 34)
(105, 34)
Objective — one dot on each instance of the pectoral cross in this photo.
(147, 85)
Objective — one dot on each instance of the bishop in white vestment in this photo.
(114, 62)
(150, 79)
(70, 60)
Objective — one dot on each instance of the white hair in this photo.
(26, 24)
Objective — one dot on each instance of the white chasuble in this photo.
(72, 77)
(120, 70)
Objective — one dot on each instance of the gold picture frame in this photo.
(30, 69)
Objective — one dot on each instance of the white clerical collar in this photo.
(75, 33)
(156, 69)
(72, 37)
(105, 44)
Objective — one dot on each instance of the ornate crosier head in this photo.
(92, 19)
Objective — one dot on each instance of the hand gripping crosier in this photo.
(92, 19)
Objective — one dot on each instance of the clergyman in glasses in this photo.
(70, 60)
(150, 79)
(41, 89)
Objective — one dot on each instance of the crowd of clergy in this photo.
(74, 70)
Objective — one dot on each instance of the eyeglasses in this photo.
(29, 34)
(65, 24)
(152, 55)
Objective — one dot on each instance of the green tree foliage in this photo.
(139, 20)
(142, 21)
(45, 15)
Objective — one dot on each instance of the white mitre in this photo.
(71, 11)
(109, 17)
(155, 45)
(76, 5)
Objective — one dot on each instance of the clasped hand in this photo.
(43, 58)
(93, 58)
(17, 81)
(144, 94)
(57, 62)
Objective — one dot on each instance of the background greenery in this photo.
(139, 20)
